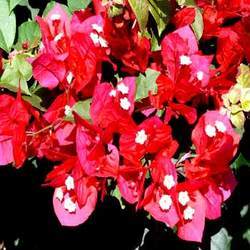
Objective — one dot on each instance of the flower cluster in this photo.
(112, 98)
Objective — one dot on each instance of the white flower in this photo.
(122, 88)
(97, 28)
(183, 198)
(165, 202)
(185, 60)
(67, 110)
(188, 213)
(210, 130)
(70, 205)
(55, 16)
(69, 183)
(58, 37)
(103, 42)
(69, 77)
(168, 181)
(125, 103)
(200, 75)
(59, 194)
(112, 93)
(220, 126)
(41, 46)
(95, 37)
(98, 40)
(141, 137)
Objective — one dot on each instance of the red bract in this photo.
(182, 59)
(69, 49)
(147, 138)
(184, 17)
(192, 226)
(135, 50)
(49, 67)
(112, 86)
(48, 71)
(186, 76)
(213, 137)
(87, 49)
(111, 107)
(14, 118)
(75, 194)
(212, 133)
(158, 200)
(175, 204)
(131, 182)
(97, 157)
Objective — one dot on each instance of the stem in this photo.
(57, 122)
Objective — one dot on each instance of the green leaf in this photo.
(115, 11)
(28, 32)
(240, 161)
(238, 119)
(4, 8)
(245, 99)
(13, 4)
(198, 25)
(51, 5)
(7, 30)
(246, 235)
(116, 193)
(146, 83)
(221, 240)
(160, 10)
(78, 4)
(244, 211)
(154, 43)
(35, 101)
(18, 70)
(243, 78)
(141, 10)
(186, 2)
(83, 108)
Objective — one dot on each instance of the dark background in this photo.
(26, 213)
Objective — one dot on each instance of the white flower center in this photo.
(112, 93)
(97, 28)
(58, 37)
(200, 75)
(183, 198)
(69, 77)
(98, 40)
(125, 103)
(42, 46)
(188, 213)
(95, 37)
(122, 88)
(185, 60)
(67, 110)
(59, 194)
(69, 183)
(165, 202)
(168, 181)
(141, 137)
(103, 42)
(55, 17)
(210, 130)
(70, 205)
(220, 126)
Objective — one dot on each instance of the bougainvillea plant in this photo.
(96, 87)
